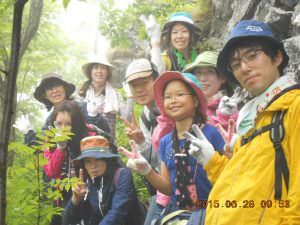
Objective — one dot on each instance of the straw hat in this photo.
(95, 60)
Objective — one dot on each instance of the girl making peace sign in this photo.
(178, 96)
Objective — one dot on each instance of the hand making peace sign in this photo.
(229, 137)
(80, 191)
(135, 161)
(133, 130)
(200, 147)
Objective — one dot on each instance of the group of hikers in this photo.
(216, 142)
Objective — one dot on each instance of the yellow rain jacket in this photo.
(243, 191)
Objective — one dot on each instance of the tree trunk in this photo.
(32, 25)
(8, 101)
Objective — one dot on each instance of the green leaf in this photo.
(66, 3)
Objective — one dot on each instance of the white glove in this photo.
(200, 147)
(139, 165)
(228, 105)
(152, 28)
(136, 161)
(23, 124)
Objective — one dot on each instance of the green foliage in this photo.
(123, 140)
(66, 3)
(50, 50)
(122, 26)
(125, 30)
(28, 196)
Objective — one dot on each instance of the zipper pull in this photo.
(86, 195)
(100, 195)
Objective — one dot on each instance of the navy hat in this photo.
(248, 30)
(49, 79)
(97, 147)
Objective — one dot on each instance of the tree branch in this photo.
(35, 12)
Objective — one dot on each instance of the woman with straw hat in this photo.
(99, 96)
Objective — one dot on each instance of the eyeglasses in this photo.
(248, 57)
(62, 125)
(178, 96)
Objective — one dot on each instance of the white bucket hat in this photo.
(139, 68)
(95, 60)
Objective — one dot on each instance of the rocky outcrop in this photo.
(121, 58)
(282, 15)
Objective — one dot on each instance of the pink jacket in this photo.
(164, 126)
(56, 159)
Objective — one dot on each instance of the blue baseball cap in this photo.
(248, 30)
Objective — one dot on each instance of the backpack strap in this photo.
(276, 129)
(117, 176)
(256, 132)
(150, 124)
(281, 168)
(179, 215)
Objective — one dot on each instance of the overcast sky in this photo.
(80, 22)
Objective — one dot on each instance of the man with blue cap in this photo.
(260, 184)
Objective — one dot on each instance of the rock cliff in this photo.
(282, 15)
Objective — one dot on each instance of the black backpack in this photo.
(277, 133)
(138, 211)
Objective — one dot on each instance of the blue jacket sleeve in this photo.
(121, 201)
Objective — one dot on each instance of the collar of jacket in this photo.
(284, 99)
(95, 182)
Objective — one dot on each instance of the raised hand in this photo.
(135, 161)
(228, 105)
(81, 190)
(241, 95)
(23, 124)
(133, 130)
(152, 28)
(200, 147)
(229, 137)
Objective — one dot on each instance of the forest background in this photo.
(46, 47)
